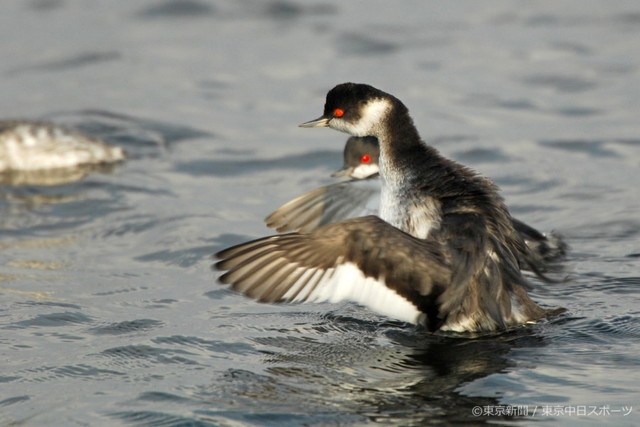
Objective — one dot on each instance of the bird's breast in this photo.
(417, 215)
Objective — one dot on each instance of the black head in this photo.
(361, 157)
(354, 108)
(350, 98)
(359, 150)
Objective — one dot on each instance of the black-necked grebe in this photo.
(360, 196)
(442, 253)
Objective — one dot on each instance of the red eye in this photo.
(365, 158)
(338, 112)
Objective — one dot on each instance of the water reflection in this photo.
(353, 369)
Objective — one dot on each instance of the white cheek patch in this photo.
(371, 116)
(364, 171)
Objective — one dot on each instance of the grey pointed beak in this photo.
(342, 172)
(319, 122)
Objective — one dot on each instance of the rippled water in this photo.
(111, 314)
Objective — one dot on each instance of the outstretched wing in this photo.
(356, 198)
(326, 205)
(364, 260)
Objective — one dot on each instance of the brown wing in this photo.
(364, 260)
(326, 205)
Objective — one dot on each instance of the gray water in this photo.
(110, 312)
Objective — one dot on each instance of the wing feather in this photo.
(364, 260)
(327, 205)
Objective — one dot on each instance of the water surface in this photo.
(111, 314)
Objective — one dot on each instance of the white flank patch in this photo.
(464, 325)
(423, 218)
(421, 227)
(467, 324)
(517, 315)
(347, 283)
